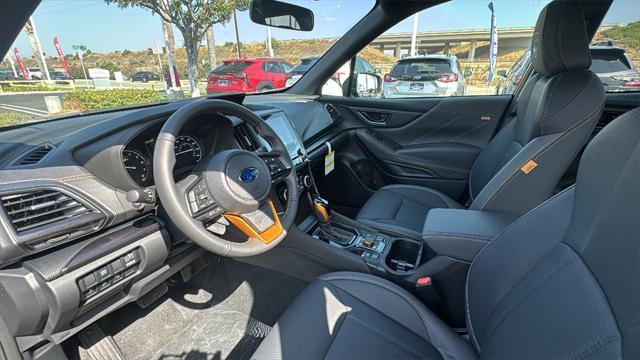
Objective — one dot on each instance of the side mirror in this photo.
(378, 71)
(502, 73)
(367, 85)
(281, 15)
(467, 73)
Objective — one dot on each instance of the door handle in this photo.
(377, 118)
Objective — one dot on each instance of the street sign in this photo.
(79, 47)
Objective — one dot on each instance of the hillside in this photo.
(627, 37)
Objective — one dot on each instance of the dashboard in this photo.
(67, 228)
(196, 141)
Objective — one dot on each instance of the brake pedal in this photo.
(99, 346)
(152, 296)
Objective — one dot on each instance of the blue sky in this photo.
(105, 27)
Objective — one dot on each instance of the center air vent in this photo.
(35, 155)
(37, 208)
(333, 112)
(245, 138)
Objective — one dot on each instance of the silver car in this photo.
(430, 75)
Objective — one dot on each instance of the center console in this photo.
(384, 254)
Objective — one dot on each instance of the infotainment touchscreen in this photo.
(283, 127)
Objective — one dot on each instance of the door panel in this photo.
(434, 147)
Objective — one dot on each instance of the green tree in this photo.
(192, 18)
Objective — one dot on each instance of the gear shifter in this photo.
(322, 212)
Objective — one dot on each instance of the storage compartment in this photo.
(403, 256)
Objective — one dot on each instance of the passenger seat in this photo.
(556, 112)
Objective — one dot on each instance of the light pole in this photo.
(269, 45)
(413, 51)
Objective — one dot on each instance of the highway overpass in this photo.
(509, 39)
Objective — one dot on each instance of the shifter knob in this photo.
(321, 209)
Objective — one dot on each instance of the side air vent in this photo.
(35, 155)
(30, 210)
(333, 112)
(245, 138)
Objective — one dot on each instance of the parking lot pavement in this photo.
(31, 103)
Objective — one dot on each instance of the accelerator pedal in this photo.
(99, 346)
(152, 296)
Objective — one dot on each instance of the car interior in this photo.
(295, 225)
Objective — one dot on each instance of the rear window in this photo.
(230, 67)
(420, 67)
(304, 65)
(608, 65)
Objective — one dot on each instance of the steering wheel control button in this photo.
(277, 169)
(200, 199)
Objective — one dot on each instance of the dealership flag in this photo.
(25, 74)
(61, 55)
(493, 44)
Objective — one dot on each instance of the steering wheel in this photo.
(235, 184)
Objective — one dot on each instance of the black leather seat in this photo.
(556, 111)
(563, 281)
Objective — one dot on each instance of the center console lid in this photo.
(460, 233)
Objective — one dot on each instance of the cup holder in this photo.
(403, 256)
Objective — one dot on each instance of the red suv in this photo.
(248, 75)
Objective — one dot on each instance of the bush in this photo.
(104, 99)
(13, 118)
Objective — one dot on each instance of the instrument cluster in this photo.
(137, 155)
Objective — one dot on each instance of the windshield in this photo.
(74, 56)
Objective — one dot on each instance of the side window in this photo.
(286, 67)
(271, 67)
(450, 53)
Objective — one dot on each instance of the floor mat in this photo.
(223, 313)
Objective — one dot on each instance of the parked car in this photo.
(609, 62)
(248, 75)
(7, 75)
(59, 75)
(613, 67)
(35, 73)
(338, 83)
(429, 75)
(144, 76)
(508, 81)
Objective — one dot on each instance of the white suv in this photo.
(430, 75)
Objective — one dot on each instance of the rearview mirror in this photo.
(281, 15)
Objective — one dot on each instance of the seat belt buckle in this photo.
(427, 292)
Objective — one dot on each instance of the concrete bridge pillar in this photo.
(446, 48)
(398, 51)
(472, 50)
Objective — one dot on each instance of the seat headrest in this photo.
(560, 42)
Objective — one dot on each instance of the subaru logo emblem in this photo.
(249, 175)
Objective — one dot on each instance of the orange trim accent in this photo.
(266, 236)
(322, 211)
(529, 166)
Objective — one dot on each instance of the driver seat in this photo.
(563, 281)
